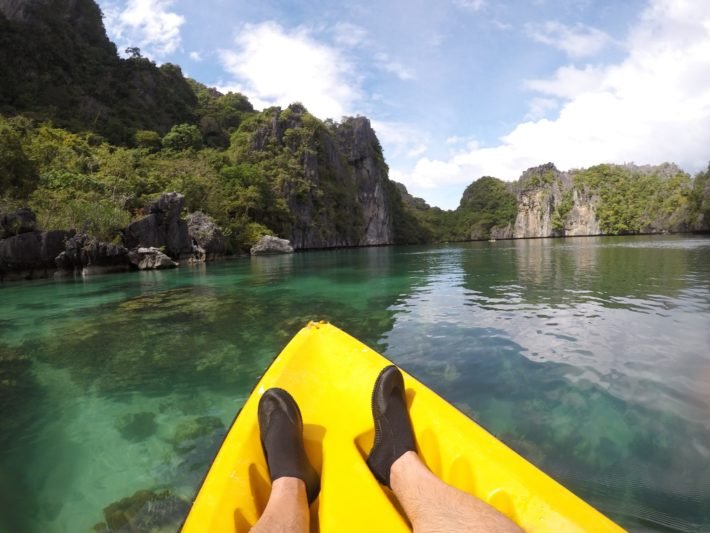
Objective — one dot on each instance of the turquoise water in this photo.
(589, 356)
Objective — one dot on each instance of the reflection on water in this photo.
(591, 357)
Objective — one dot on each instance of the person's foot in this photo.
(281, 429)
(393, 429)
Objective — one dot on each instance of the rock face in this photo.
(269, 245)
(338, 192)
(582, 218)
(30, 255)
(539, 190)
(150, 259)
(206, 236)
(357, 140)
(86, 255)
(15, 222)
(163, 227)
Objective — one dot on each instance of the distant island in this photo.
(102, 157)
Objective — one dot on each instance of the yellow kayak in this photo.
(330, 375)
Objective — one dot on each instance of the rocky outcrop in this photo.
(13, 223)
(150, 259)
(582, 218)
(30, 255)
(162, 228)
(335, 183)
(539, 190)
(207, 238)
(506, 232)
(359, 144)
(269, 245)
(87, 256)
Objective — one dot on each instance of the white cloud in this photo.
(275, 66)
(148, 24)
(350, 35)
(576, 41)
(471, 5)
(401, 140)
(384, 62)
(653, 106)
(541, 107)
(196, 56)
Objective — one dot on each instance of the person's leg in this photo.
(294, 482)
(433, 506)
(287, 508)
(430, 504)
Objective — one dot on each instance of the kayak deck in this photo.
(331, 376)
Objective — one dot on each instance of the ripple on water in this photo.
(588, 356)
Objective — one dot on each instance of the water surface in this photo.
(589, 356)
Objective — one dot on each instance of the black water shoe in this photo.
(281, 429)
(393, 429)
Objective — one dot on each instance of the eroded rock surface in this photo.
(162, 228)
(206, 236)
(269, 245)
(87, 255)
(30, 255)
(150, 258)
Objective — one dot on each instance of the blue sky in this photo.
(458, 89)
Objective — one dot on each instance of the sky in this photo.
(457, 89)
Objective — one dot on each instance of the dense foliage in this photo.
(638, 200)
(88, 138)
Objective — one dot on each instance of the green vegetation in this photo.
(562, 210)
(87, 139)
(636, 201)
(486, 203)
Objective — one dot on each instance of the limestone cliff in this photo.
(332, 177)
(602, 200)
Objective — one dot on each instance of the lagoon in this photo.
(589, 356)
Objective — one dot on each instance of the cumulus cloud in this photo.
(196, 56)
(148, 24)
(402, 140)
(276, 66)
(576, 41)
(652, 106)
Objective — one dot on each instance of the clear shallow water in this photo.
(591, 357)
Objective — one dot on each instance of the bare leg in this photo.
(432, 506)
(287, 508)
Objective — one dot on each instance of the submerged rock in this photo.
(88, 255)
(190, 433)
(146, 511)
(271, 245)
(150, 259)
(136, 427)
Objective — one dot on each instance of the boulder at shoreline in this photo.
(269, 245)
(150, 259)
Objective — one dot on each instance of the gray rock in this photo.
(163, 227)
(31, 255)
(150, 259)
(88, 256)
(268, 245)
(15, 222)
(505, 232)
(206, 236)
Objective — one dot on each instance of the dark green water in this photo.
(591, 357)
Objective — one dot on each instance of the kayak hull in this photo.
(330, 374)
